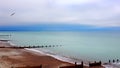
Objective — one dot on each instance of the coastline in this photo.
(22, 57)
(56, 56)
(72, 61)
(31, 57)
(39, 52)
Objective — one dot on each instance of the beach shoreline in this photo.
(48, 53)
(22, 57)
(30, 57)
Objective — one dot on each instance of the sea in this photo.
(71, 46)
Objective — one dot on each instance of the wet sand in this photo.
(21, 58)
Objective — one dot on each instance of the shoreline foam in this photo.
(22, 58)
(61, 58)
(66, 59)
(58, 57)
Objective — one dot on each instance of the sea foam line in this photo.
(69, 60)
(61, 58)
(66, 59)
(56, 56)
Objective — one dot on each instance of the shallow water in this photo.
(88, 46)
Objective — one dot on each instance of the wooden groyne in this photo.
(2, 40)
(91, 65)
(95, 64)
(21, 47)
(114, 61)
(5, 35)
(74, 66)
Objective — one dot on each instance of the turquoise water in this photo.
(88, 46)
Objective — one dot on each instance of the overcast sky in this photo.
(87, 12)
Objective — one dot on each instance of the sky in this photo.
(98, 13)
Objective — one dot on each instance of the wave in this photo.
(58, 57)
(112, 65)
(65, 58)
(12, 44)
(70, 60)
(49, 53)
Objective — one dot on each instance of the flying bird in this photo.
(12, 14)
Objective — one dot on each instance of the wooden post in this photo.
(117, 60)
(109, 61)
(82, 63)
(75, 63)
(100, 62)
(41, 66)
(95, 62)
(113, 60)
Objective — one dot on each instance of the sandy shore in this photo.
(22, 57)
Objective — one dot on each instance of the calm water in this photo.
(87, 46)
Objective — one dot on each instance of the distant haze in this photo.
(57, 27)
(102, 13)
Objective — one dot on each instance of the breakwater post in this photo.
(113, 61)
(95, 64)
(74, 66)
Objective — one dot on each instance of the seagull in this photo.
(12, 14)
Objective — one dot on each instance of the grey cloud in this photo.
(100, 13)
